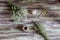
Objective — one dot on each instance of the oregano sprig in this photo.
(39, 28)
(16, 11)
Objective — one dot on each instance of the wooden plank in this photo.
(5, 19)
(5, 15)
(4, 1)
(3, 4)
(4, 11)
(3, 8)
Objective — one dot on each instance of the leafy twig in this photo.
(16, 11)
(40, 30)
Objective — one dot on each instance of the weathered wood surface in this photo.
(13, 34)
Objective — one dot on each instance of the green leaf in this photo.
(40, 30)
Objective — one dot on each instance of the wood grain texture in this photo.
(9, 32)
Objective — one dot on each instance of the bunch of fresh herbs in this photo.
(17, 13)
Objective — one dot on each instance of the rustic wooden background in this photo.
(13, 34)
